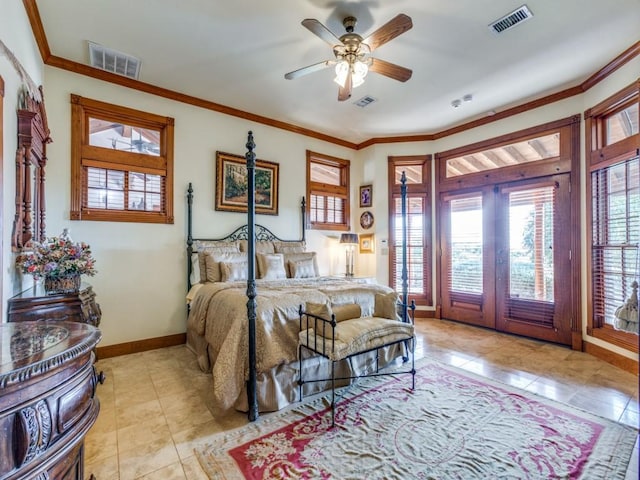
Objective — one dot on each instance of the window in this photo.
(328, 192)
(122, 164)
(531, 150)
(418, 173)
(613, 150)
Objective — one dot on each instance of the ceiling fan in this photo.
(352, 53)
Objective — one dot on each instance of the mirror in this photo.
(31, 159)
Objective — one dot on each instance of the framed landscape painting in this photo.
(231, 184)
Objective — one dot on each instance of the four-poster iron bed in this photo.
(249, 341)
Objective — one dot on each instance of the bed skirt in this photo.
(278, 387)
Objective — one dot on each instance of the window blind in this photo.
(415, 245)
(615, 237)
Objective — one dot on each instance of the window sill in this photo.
(628, 341)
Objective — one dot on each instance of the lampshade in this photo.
(349, 238)
(359, 70)
(342, 69)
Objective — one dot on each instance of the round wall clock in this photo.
(366, 220)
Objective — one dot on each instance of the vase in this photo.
(62, 284)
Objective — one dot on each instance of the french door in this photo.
(506, 260)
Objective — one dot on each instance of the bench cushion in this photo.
(356, 335)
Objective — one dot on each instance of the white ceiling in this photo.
(236, 52)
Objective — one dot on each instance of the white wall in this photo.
(141, 278)
(15, 33)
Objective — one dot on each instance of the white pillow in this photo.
(234, 271)
(205, 248)
(213, 261)
(271, 266)
(289, 247)
(302, 268)
(296, 257)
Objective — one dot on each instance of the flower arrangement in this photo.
(56, 257)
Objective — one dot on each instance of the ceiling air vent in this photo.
(113, 61)
(511, 20)
(364, 101)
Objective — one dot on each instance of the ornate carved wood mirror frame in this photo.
(31, 159)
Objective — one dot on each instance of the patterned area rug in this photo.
(455, 425)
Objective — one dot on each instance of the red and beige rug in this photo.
(455, 425)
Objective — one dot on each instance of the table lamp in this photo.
(349, 240)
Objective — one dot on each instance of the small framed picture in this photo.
(366, 220)
(366, 193)
(366, 242)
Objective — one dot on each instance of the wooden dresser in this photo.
(35, 304)
(47, 398)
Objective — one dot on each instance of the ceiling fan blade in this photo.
(315, 27)
(344, 93)
(390, 30)
(309, 69)
(390, 70)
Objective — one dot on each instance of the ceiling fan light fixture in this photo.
(351, 51)
(342, 70)
(359, 70)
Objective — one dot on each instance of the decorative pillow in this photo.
(213, 260)
(271, 266)
(289, 247)
(234, 271)
(296, 257)
(199, 245)
(302, 268)
(262, 246)
(346, 311)
(386, 306)
(203, 247)
(322, 310)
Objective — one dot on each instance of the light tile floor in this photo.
(156, 406)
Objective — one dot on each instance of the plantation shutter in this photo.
(327, 209)
(119, 189)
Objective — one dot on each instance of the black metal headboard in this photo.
(241, 233)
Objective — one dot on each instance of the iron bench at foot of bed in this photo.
(337, 341)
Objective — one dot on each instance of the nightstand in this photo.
(35, 304)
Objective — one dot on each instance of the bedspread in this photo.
(219, 316)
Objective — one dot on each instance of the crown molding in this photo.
(75, 67)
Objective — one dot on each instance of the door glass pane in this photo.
(466, 245)
(531, 244)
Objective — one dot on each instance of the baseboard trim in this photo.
(613, 358)
(424, 313)
(141, 345)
